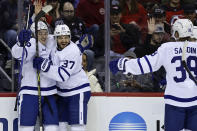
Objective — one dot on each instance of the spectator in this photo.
(134, 13)
(123, 83)
(183, 2)
(8, 29)
(173, 7)
(123, 36)
(69, 18)
(189, 13)
(154, 40)
(74, 2)
(49, 18)
(87, 61)
(159, 16)
(92, 13)
(133, 83)
(54, 13)
(8, 21)
(149, 6)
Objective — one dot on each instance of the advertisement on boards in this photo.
(104, 114)
(126, 113)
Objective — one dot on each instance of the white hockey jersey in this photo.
(29, 80)
(180, 91)
(67, 71)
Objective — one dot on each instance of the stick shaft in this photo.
(185, 64)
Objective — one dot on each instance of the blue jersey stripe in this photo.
(26, 52)
(36, 88)
(59, 71)
(150, 67)
(138, 61)
(65, 71)
(77, 88)
(180, 99)
(60, 74)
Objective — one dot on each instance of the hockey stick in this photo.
(44, 10)
(185, 64)
(21, 66)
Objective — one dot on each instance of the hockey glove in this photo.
(41, 64)
(23, 37)
(117, 65)
(85, 42)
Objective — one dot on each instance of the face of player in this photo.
(42, 36)
(84, 61)
(68, 10)
(63, 41)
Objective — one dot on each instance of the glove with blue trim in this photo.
(163, 82)
(40, 63)
(23, 37)
(117, 65)
(85, 42)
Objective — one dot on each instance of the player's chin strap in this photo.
(185, 64)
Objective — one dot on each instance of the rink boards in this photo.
(106, 112)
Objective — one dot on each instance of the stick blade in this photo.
(47, 8)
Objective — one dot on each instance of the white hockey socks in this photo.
(26, 128)
(51, 127)
(63, 126)
(77, 128)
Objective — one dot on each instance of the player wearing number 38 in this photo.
(181, 90)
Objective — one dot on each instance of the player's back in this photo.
(180, 87)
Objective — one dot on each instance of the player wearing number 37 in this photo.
(181, 90)
(72, 81)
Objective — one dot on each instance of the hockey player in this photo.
(72, 81)
(181, 91)
(28, 93)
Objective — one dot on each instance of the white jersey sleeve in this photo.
(146, 64)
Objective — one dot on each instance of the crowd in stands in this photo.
(137, 28)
